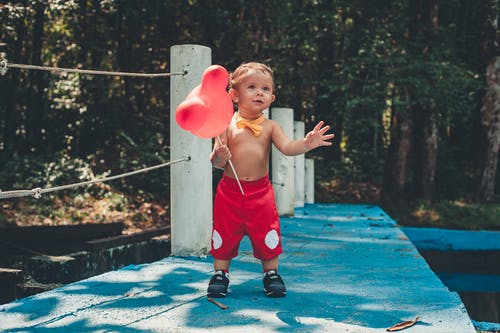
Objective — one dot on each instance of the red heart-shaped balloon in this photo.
(208, 108)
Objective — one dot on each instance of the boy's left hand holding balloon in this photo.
(221, 155)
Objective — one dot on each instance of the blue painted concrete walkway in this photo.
(348, 268)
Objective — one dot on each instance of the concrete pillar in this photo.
(309, 181)
(282, 166)
(190, 182)
(298, 134)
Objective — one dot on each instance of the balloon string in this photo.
(232, 168)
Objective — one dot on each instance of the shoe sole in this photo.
(275, 294)
(216, 295)
(217, 291)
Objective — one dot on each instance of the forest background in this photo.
(410, 87)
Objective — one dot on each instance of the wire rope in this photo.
(4, 66)
(38, 191)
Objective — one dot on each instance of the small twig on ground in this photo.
(219, 304)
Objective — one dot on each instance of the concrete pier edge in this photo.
(348, 268)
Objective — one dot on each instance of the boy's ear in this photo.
(273, 97)
(234, 95)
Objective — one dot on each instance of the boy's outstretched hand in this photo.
(317, 136)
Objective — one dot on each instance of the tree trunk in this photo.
(429, 144)
(429, 155)
(86, 136)
(491, 123)
(10, 116)
(326, 56)
(35, 105)
(397, 166)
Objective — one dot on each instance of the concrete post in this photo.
(309, 181)
(282, 166)
(298, 134)
(266, 113)
(190, 182)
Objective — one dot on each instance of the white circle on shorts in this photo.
(272, 239)
(217, 239)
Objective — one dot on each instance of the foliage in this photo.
(345, 62)
(451, 214)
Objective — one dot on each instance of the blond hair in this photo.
(244, 68)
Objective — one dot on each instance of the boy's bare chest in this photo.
(243, 143)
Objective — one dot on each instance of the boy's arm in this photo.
(314, 139)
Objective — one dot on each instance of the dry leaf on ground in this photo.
(402, 325)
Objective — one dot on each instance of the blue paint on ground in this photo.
(486, 327)
(348, 268)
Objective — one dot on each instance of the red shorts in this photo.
(253, 214)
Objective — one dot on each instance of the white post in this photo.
(298, 134)
(266, 113)
(309, 181)
(282, 166)
(190, 182)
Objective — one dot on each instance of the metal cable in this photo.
(4, 66)
(38, 191)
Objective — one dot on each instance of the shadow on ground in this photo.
(347, 267)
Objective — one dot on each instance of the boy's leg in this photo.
(221, 265)
(273, 283)
(270, 264)
(217, 287)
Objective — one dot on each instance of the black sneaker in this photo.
(273, 284)
(217, 287)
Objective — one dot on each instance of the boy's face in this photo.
(254, 93)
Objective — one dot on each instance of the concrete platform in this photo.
(348, 268)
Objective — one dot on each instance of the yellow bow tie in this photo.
(252, 124)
